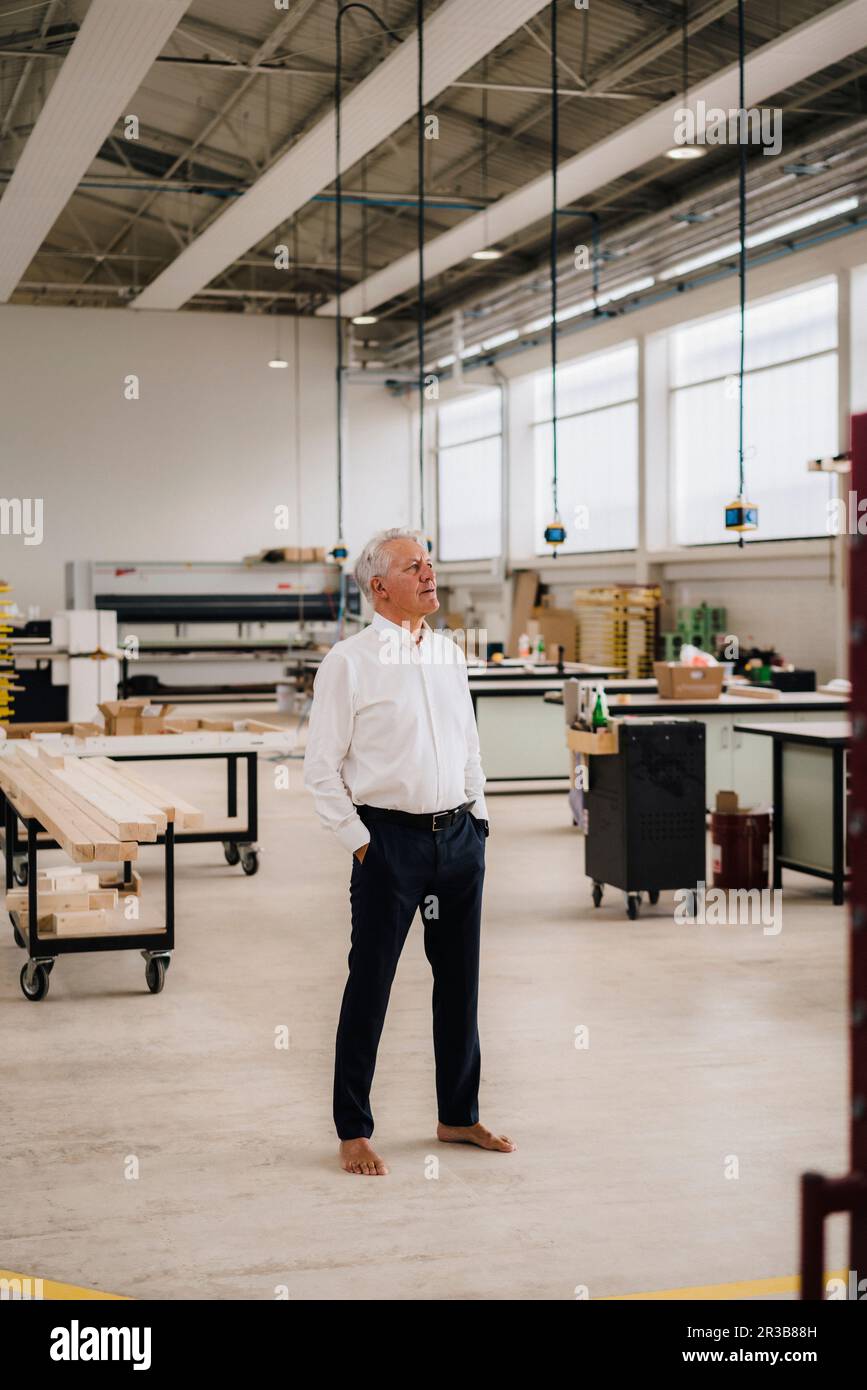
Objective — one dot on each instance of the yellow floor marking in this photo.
(29, 1286)
(746, 1288)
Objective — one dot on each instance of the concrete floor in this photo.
(705, 1043)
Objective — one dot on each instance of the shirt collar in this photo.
(384, 624)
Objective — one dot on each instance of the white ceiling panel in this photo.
(116, 45)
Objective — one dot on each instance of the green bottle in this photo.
(599, 719)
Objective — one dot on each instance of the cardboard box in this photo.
(559, 628)
(727, 802)
(588, 741)
(525, 587)
(137, 715)
(678, 682)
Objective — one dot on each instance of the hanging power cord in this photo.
(742, 515)
(340, 552)
(742, 266)
(555, 534)
(555, 141)
(419, 20)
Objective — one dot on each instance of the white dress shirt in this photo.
(392, 725)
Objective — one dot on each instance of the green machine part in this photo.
(700, 626)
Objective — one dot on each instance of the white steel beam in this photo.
(113, 50)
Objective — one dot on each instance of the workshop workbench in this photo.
(732, 764)
(809, 798)
(521, 737)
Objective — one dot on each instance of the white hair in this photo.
(375, 558)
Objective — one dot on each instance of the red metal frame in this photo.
(820, 1195)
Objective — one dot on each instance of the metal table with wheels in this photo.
(239, 843)
(154, 944)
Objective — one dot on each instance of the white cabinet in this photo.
(718, 756)
(753, 761)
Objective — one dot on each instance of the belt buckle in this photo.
(437, 815)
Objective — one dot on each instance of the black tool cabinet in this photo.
(646, 811)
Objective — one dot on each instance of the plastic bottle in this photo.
(524, 645)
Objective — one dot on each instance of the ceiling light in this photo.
(365, 318)
(805, 219)
(447, 360)
(472, 351)
(686, 152)
(781, 229)
(278, 362)
(491, 254)
(508, 337)
(537, 325)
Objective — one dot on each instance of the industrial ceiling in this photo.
(232, 150)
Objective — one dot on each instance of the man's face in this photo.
(411, 582)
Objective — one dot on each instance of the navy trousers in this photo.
(440, 873)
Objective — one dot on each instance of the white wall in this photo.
(194, 468)
(789, 594)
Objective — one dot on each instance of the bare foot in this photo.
(359, 1156)
(475, 1134)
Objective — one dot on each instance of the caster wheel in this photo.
(632, 905)
(653, 895)
(22, 873)
(155, 974)
(39, 988)
(231, 851)
(250, 861)
(48, 967)
(597, 894)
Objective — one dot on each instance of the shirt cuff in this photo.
(353, 835)
(480, 810)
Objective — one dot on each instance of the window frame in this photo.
(440, 449)
(547, 420)
(792, 292)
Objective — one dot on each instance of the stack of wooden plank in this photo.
(175, 724)
(98, 812)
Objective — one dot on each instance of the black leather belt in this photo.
(435, 820)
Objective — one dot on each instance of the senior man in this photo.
(393, 764)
